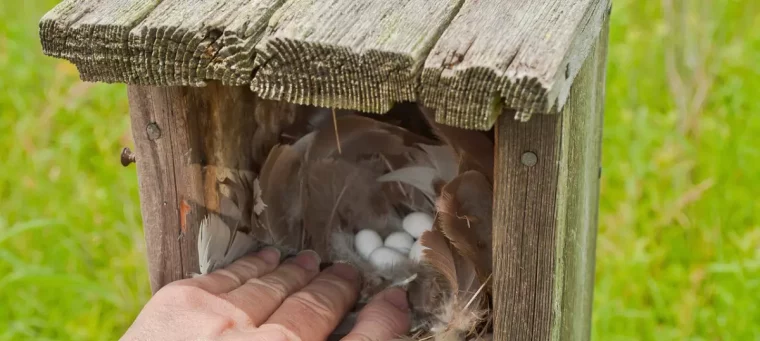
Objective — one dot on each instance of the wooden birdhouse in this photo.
(215, 85)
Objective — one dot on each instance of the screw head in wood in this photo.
(529, 159)
(127, 157)
(154, 132)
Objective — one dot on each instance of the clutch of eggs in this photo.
(398, 246)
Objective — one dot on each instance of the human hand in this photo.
(258, 299)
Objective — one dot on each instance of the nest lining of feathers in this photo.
(335, 174)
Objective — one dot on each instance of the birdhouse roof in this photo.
(469, 60)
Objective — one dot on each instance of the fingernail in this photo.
(269, 255)
(397, 297)
(308, 259)
(345, 271)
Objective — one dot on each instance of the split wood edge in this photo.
(189, 42)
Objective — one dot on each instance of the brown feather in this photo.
(438, 255)
(278, 222)
(361, 136)
(464, 217)
(343, 195)
(461, 306)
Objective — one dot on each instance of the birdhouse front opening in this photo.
(486, 118)
(405, 200)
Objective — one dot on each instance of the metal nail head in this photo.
(529, 159)
(127, 157)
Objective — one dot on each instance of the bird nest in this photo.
(405, 200)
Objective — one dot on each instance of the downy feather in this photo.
(461, 309)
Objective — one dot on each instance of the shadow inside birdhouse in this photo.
(405, 200)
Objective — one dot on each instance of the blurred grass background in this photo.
(678, 254)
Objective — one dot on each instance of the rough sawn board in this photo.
(467, 60)
(349, 54)
(506, 54)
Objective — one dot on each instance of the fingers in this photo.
(386, 317)
(260, 297)
(237, 273)
(312, 313)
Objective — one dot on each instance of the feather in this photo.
(438, 255)
(258, 202)
(427, 171)
(278, 223)
(420, 177)
(464, 217)
(361, 136)
(309, 119)
(460, 309)
(235, 201)
(343, 195)
(443, 158)
(475, 149)
(219, 245)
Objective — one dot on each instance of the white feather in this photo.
(444, 159)
(420, 177)
(259, 205)
(218, 246)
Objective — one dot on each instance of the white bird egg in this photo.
(399, 241)
(415, 254)
(367, 241)
(386, 258)
(416, 223)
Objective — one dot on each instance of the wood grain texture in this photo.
(156, 180)
(578, 198)
(504, 54)
(545, 215)
(188, 141)
(524, 227)
(148, 42)
(467, 60)
(349, 54)
(92, 34)
(186, 42)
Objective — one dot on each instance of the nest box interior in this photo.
(404, 199)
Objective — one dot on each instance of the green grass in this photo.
(678, 254)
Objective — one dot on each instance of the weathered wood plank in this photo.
(92, 34)
(467, 60)
(147, 42)
(504, 54)
(546, 191)
(158, 196)
(524, 226)
(349, 54)
(186, 42)
(578, 197)
(188, 141)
